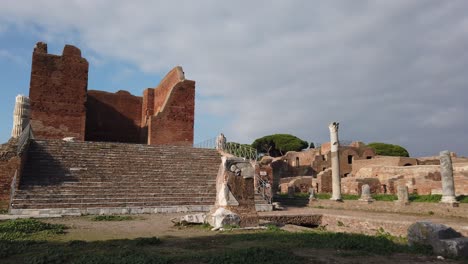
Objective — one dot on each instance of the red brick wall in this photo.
(114, 117)
(174, 124)
(164, 88)
(9, 163)
(58, 93)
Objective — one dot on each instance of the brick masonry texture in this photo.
(113, 117)
(58, 93)
(61, 105)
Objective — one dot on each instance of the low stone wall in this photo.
(436, 209)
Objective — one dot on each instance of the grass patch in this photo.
(385, 197)
(296, 195)
(323, 196)
(462, 198)
(112, 218)
(21, 229)
(301, 195)
(432, 198)
(269, 246)
(350, 197)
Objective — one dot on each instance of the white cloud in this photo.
(288, 66)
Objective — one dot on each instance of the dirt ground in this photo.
(160, 225)
(147, 225)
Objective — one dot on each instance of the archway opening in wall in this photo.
(297, 161)
(350, 159)
(369, 157)
(408, 164)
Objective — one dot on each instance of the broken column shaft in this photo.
(448, 185)
(20, 115)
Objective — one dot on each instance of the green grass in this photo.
(434, 198)
(269, 246)
(323, 196)
(296, 195)
(462, 198)
(21, 229)
(111, 218)
(385, 197)
(350, 197)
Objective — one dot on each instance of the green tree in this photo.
(278, 144)
(385, 149)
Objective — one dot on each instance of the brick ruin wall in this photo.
(174, 122)
(10, 162)
(62, 107)
(383, 161)
(421, 179)
(57, 94)
(114, 117)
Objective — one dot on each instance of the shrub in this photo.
(388, 149)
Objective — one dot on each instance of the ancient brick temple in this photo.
(62, 106)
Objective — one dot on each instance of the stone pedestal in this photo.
(335, 162)
(366, 194)
(235, 200)
(448, 185)
(403, 195)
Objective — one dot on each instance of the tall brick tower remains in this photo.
(58, 93)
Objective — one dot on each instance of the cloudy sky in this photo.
(389, 71)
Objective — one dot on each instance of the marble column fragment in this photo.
(335, 162)
(20, 115)
(448, 185)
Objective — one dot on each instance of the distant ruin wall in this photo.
(173, 125)
(58, 93)
(113, 117)
(383, 161)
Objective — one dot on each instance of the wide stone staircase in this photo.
(113, 178)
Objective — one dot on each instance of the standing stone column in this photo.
(335, 162)
(20, 115)
(448, 185)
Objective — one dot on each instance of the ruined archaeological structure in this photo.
(62, 106)
(79, 151)
(358, 166)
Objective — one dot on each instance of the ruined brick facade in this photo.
(58, 93)
(62, 106)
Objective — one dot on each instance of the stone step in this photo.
(101, 174)
(108, 204)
